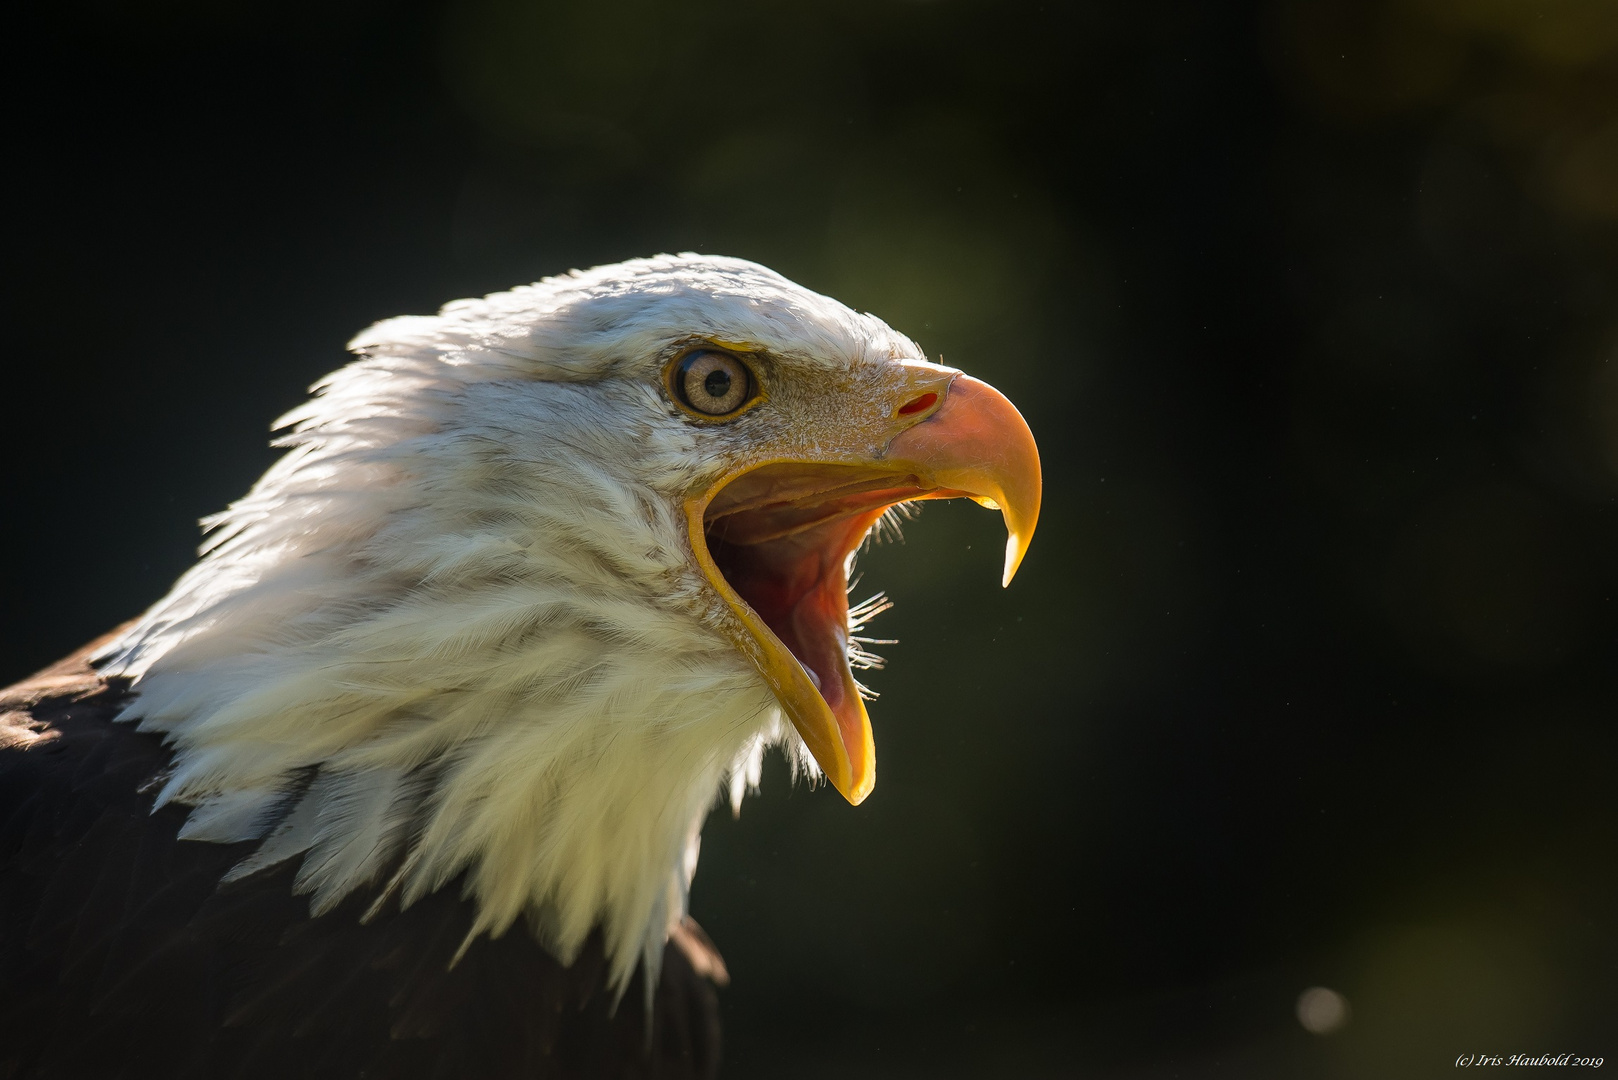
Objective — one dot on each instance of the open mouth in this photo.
(774, 540)
(781, 536)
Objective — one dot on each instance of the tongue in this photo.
(816, 630)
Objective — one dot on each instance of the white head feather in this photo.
(458, 628)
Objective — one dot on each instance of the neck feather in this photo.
(415, 652)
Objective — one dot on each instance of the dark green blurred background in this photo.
(1309, 677)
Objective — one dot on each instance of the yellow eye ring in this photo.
(711, 384)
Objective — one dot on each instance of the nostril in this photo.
(925, 401)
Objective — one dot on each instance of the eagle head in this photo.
(542, 574)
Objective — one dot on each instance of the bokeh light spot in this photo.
(1322, 1011)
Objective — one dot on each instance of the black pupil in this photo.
(717, 384)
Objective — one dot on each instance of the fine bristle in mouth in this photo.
(782, 536)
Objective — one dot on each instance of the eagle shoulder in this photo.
(126, 957)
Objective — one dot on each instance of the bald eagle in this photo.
(537, 579)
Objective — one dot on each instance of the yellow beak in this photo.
(784, 526)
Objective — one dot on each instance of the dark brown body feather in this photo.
(122, 955)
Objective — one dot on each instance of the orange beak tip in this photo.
(1016, 548)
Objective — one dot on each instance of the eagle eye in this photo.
(712, 383)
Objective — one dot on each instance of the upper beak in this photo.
(951, 437)
(978, 445)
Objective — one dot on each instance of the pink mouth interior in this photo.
(781, 535)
